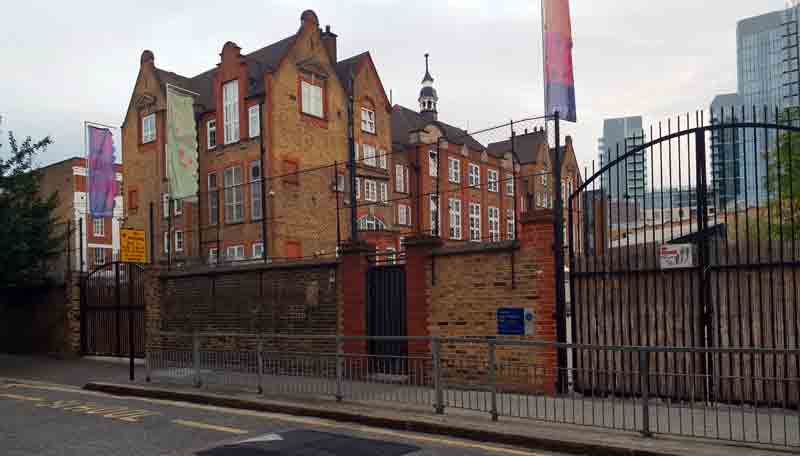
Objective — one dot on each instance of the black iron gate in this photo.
(112, 311)
(387, 313)
(687, 236)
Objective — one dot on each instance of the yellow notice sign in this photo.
(133, 246)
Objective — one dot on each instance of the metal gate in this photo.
(723, 186)
(112, 311)
(386, 313)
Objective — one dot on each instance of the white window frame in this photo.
(211, 130)
(383, 159)
(256, 247)
(213, 199)
(235, 256)
(165, 202)
(177, 206)
(234, 195)
(454, 206)
(368, 120)
(340, 183)
(166, 242)
(358, 188)
(312, 99)
(383, 192)
(493, 181)
(371, 223)
(433, 163)
(510, 223)
(494, 224)
(99, 256)
(213, 255)
(179, 241)
(510, 185)
(474, 222)
(399, 178)
(369, 154)
(101, 224)
(149, 129)
(403, 215)
(230, 101)
(434, 208)
(255, 191)
(370, 190)
(474, 175)
(454, 170)
(253, 121)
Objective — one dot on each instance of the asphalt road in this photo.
(39, 419)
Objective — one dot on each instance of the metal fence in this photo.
(502, 378)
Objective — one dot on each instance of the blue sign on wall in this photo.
(511, 322)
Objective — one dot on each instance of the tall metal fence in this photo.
(498, 383)
(688, 238)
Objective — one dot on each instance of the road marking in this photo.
(210, 427)
(263, 438)
(21, 398)
(297, 420)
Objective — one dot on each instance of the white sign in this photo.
(676, 256)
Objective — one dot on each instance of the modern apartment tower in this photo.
(628, 178)
(727, 152)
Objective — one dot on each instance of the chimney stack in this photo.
(329, 41)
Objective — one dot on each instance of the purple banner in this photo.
(102, 176)
(559, 80)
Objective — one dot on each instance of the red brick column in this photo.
(355, 265)
(536, 239)
(418, 254)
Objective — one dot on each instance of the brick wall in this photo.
(462, 288)
(294, 298)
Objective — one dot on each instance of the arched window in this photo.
(371, 223)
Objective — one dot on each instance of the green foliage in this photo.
(784, 185)
(28, 237)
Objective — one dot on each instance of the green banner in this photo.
(181, 146)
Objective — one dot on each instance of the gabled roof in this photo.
(526, 147)
(405, 120)
(259, 62)
(347, 67)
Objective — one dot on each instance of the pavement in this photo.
(33, 420)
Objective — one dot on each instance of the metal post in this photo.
(558, 232)
(196, 359)
(118, 300)
(147, 367)
(436, 347)
(644, 379)
(260, 358)
(131, 344)
(493, 376)
(169, 232)
(152, 234)
(337, 193)
(81, 264)
(339, 368)
(351, 142)
(263, 182)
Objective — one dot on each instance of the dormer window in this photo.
(312, 96)
(230, 100)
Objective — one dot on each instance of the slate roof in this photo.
(526, 147)
(344, 68)
(264, 60)
(405, 120)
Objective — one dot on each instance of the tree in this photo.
(28, 237)
(784, 183)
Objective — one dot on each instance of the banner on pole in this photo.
(182, 167)
(559, 80)
(102, 176)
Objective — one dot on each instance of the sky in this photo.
(65, 63)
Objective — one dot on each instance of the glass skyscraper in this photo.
(761, 74)
(628, 178)
(727, 152)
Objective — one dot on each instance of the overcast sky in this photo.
(64, 63)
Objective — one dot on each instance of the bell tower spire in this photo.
(428, 99)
